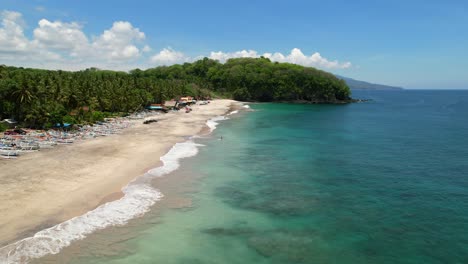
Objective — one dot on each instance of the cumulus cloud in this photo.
(168, 56)
(296, 56)
(61, 44)
(59, 35)
(55, 41)
(119, 42)
(224, 56)
(14, 45)
(12, 38)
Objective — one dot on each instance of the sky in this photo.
(411, 43)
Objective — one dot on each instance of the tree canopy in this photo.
(38, 97)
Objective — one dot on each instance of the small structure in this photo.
(188, 100)
(9, 122)
(185, 101)
(65, 125)
(156, 107)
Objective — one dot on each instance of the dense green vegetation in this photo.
(40, 98)
(3, 127)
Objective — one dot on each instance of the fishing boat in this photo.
(8, 152)
(28, 145)
(65, 141)
(47, 144)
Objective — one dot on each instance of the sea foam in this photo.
(138, 197)
(213, 122)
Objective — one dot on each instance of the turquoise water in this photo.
(384, 181)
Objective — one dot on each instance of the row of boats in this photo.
(14, 145)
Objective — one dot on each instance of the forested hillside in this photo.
(39, 98)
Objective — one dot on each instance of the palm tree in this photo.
(22, 96)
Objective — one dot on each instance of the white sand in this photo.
(41, 189)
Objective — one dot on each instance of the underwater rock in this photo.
(287, 246)
(235, 231)
(271, 200)
(192, 261)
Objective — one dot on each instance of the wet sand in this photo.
(42, 189)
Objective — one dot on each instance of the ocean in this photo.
(384, 181)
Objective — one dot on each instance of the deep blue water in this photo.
(384, 181)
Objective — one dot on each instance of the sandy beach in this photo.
(44, 188)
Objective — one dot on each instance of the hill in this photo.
(361, 85)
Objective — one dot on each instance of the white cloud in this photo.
(61, 36)
(222, 56)
(64, 45)
(12, 38)
(15, 46)
(119, 42)
(295, 56)
(168, 56)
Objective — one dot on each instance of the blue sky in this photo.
(414, 44)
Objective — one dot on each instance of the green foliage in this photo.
(57, 114)
(241, 94)
(190, 89)
(97, 116)
(38, 98)
(69, 119)
(3, 127)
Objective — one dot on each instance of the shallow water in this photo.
(379, 182)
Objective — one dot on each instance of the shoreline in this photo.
(172, 128)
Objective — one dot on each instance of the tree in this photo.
(42, 97)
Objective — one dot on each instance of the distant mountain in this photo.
(361, 85)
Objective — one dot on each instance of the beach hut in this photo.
(187, 100)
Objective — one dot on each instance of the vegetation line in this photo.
(41, 98)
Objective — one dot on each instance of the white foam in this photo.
(171, 159)
(213, 122)
(138, 197)
(246, 106)
(233, 112)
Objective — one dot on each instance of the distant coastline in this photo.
(329, 102)
(362, 85)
